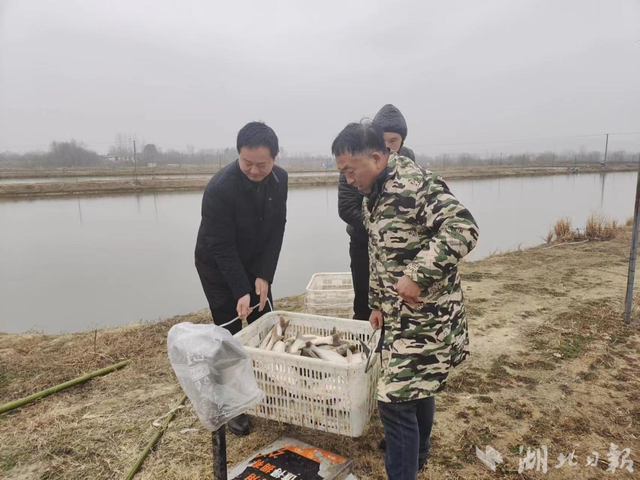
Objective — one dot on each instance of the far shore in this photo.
(146, 183)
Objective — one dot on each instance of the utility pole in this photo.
(634, 253)
(606, 148)
(135, 161)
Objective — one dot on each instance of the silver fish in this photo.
(327, 354)
(353, 346)
(265, 341)
(307, 351)
(287, 343)
(333, 339)
(297, 344)
(355, 358)
(281, 327)
(341, 349)
(274, 338)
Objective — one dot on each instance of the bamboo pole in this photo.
(154, 440)
(76, 381)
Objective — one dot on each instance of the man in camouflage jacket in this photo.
(394, 127)
(418, 232)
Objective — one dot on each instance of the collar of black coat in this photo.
(378, 186)
(248, 184)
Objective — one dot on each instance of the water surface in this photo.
(74, 264)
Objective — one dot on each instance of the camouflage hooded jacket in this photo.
(418, 228)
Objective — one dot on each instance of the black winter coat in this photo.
(350, 206)
(242, 228)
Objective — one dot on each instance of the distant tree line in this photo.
(223, 156)
(76, 154)
(566, 158)
(60, 154)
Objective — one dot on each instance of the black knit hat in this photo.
(390, 119)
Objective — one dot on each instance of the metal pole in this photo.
(634, 253)
(606, 148)
(219, 441)
(135, 161)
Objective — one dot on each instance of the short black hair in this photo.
(358, 138)
(258, 134)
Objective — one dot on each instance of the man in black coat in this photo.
(244, 212)
(394, 126)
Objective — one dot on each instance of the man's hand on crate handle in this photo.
(262, 290)
(242, 307)
(376, 319)
(408, 290)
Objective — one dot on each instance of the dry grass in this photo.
(600, 227)
(629, 222)
(563, 230)
(581, 401)
(94, 430)
(513, 391)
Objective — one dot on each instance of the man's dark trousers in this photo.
(360, 275)
(407, 430)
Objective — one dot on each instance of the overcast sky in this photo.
(180, 73)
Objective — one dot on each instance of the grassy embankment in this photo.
(148, 183)
(552, 364)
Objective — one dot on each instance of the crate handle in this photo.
(250, 308)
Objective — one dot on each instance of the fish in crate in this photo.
(330, 348)
(315, 371)
(288, 383)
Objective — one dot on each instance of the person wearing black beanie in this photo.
(394, 126)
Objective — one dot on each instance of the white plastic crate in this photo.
(337, 311)
(327, 396)
(330, 294)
